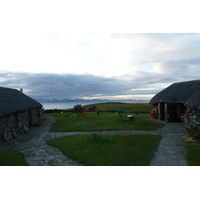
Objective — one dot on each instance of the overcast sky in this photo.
(98, 49)
(105, 66)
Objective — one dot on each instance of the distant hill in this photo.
(93, 100)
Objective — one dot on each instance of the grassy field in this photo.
(193, 153)
(12, 158)
(133, 150)
(129, 107)
(106, 120)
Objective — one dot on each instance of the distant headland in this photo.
(92, 100)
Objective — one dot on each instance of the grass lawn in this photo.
(129, 107)
(12, 158)
(133, 150)
(193, 153)
(105, 121)
(142, 107)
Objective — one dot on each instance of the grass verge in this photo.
(193, 153)
(132, 150)
(12, 158)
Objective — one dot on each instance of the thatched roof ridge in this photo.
(12, 100)
(194, 101)
(177, 92)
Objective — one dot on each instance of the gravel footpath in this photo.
(170, 152)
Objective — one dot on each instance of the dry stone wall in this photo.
(35, 116)
(19, 123)
(192, 119)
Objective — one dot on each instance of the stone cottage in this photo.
(171, 102)
(18, 112)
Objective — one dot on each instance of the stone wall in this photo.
(192, 120)
(23, 119)
(7, 127)
(35, 116)
(19, 123)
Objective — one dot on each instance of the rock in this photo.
(21, 131)
(25, 128)
(14, 134)
(10, 135)
(6, 136)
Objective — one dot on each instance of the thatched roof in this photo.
(194, 101)
(177, 92)
(12, 100)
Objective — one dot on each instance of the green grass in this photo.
(129, 107)
(142, 107)
(12, 158)
(106, 121)
(133, 150)
(193, 153)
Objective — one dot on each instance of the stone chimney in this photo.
(21, 90)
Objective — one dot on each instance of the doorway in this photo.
(162, 111)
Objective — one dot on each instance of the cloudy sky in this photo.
(103, 66)
(97, 49)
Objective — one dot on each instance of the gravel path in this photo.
(171, 150)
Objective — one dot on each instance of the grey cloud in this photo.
(46, 85)
(63, 85)
(182, 70)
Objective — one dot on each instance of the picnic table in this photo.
(131, 118)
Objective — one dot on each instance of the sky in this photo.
(97, 65)
(97, 50)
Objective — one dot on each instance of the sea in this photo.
(47, 105)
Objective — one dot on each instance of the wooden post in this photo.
(166, 113)
(159, 111)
